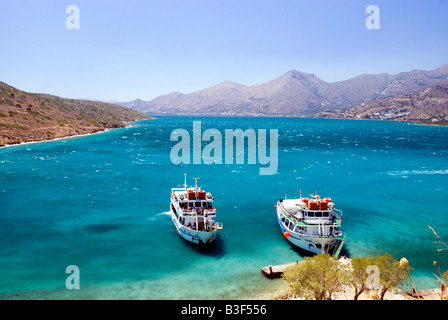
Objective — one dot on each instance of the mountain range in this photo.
(428, 105)
(293, 94)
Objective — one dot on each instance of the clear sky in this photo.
(128, 49)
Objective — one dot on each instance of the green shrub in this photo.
(317, 277)
(392, 274)
(320, 276)
(358, 276)
(8, 102)
(19, 127)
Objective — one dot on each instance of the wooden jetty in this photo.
(338, 250)
(276, 271)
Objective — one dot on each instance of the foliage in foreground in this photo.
(317, 277)
(321, 276)
(442, 279)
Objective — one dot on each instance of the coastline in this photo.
(68, 136)
(445, 124)
(55, 139)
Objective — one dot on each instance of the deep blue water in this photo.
(100, 202)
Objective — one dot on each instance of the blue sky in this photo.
(141, 49)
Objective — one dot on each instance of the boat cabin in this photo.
(193, 208)
(314, 217)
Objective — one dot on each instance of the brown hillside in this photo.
(26, 117)
(427, 105)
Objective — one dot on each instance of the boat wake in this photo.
(164, 213)
(416, 172)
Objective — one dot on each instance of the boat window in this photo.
(325, 214)
(310, 214)
(197, 204)
(318, 214)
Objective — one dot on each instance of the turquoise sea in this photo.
(100, 202)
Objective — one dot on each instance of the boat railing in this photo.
(282, 207)
(202, 212)
(315, 226)
(195, 211)
(316, 220)
(199, 212)
(337, 213)
(207, 226)
(322, 230)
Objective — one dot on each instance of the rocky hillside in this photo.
(293, 94)
(428, 105)
(28, 117)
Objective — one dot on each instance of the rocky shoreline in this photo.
(38, 136)
(14, 142)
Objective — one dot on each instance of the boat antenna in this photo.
(286, 194)
(196, 182)
(300, 193)
(185, 183)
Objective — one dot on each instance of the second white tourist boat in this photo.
(312, 224)
(193, 214)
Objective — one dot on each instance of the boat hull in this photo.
(193, 236)
(310, 243)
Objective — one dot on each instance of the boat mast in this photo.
(196, 182)
(185, 181)
(197, 219)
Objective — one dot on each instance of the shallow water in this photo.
(100, 202)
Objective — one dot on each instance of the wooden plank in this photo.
(338, 251)
(276, 271)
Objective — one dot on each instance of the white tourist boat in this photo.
(193, 214)
(312, 224)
